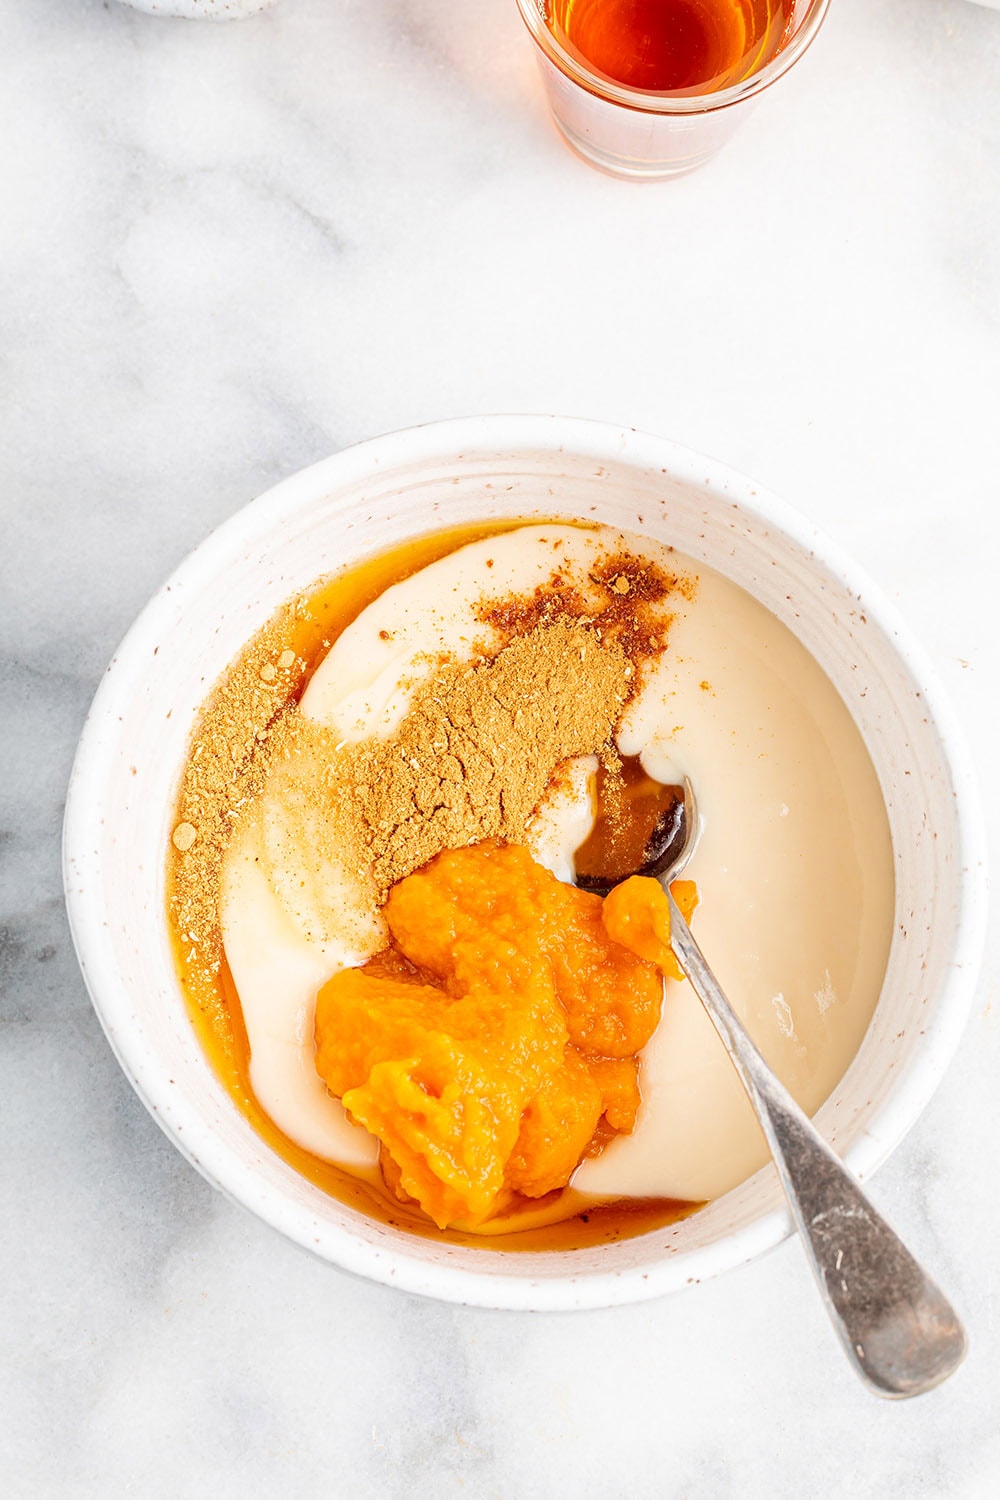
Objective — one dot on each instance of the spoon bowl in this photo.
(662, 848)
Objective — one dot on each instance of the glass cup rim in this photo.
(532, 14)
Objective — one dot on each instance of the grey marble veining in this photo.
(226, 251)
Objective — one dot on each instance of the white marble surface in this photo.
(226, 251)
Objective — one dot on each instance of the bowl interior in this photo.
(354, 505)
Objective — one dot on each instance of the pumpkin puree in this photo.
(495, 1044)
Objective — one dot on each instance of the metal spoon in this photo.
(897, 1328)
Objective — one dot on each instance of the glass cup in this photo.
(639, 134)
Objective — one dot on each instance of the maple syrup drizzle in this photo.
(672, 46)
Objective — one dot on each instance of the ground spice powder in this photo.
(478, 747)
(240, 731)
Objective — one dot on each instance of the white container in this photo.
(359, 502)
(201, 10)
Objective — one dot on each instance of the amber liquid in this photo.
(672, 46)
(218, 1021)
(631, 807)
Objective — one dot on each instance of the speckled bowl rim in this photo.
(220, 1165)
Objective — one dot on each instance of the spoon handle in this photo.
(899, 1331)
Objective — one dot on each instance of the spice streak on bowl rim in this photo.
(481, 452)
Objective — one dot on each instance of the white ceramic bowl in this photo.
(357, 503)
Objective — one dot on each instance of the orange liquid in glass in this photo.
(671, 46)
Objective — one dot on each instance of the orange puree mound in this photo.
(496, 1044)
(636, 914)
